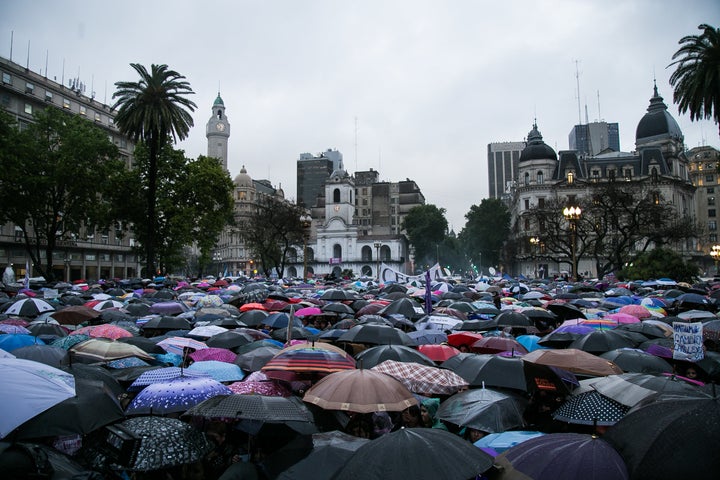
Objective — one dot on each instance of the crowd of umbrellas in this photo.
(288, 380)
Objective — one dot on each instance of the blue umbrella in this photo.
(10, 342)
(504, 440)
(128, 363)
(175, 396)
(280, 320)
(161, 375)
(220, 371)
(169, 359)
(530, 342)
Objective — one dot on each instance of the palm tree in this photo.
(150, 111)
(697, 77)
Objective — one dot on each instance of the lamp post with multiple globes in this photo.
(572, 215)
(715, 254)
(535, 242)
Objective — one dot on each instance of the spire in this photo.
(218, 101)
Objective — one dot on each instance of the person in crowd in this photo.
(411, 417)
(428, 410)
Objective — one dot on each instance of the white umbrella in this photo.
(29, 307)
(30, 388)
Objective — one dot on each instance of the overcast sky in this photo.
(412, 88)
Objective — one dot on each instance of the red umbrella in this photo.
(497, 345)
(438, 352)
(106, 330)
(463, 338)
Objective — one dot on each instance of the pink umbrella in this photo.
(638, 311)
(258, 383)
(112, 332)
(307, 311)
(622, 317)
(212, 353)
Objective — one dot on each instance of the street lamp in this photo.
(535, 242)
(67, 262)
(715, 254)
(305, 223)
(217, 258)
(377, 260)
(572, 214)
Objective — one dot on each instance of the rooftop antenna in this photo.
(62, 80)
(356, 145)
(47, 52)
(587, 119)
(599, 114)
(105, 95)
(92, 86)
(577, 79)
(27, 65)
(12, 34)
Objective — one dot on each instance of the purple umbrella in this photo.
(175, 396)
(161, 375)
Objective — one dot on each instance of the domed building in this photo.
(658, 167)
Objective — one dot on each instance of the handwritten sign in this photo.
(688, 338)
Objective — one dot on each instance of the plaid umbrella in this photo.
(213, 353)
(175, 395)
(220, 371)
(177, 345)
(165, 442)
(423, 379)
(590, 408)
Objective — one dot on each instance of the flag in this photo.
(26, 282)
(291, 321)
(428, 293)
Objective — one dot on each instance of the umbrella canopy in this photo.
(377, 335)
(652, 439)
(253, 356)
(562, 456)
(47, 354)
(45, 330)
(165, 442)
(160, 375)
(75, 315)
(361, 391)
(423, 379)
(418, 454)
(511, 318)
(212, 353)
(502, 441)
(12, 341)
(28, 307)
(105, 350)
(563, 336)
(220, 371)
(167, 322)
(601, 341)
(30, 388)
(331, 450)
(175, 395)
(310, 359)
(206, 331)
(177, 345)
(637, 361)
(484, 409)
(267, 387)
(255, 410)
(438, 352)
(230, 340)
(573, 360)
(93, 406)
(632, 388)
(375, 355)
(590, 408)
(112, 332)
(406, 307)
(504, 372)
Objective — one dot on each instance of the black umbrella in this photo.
(92, 407)
(47, 354)
(337, 294)
(331, 450)
(253, 356)
(377, 319)
(484, 409)
(601, 341)
(167, 322)
(511, 318)
(590, 408)
(637, 361)
(47, 330)
(375, 355)
(253, 318)
(377, 335)
(230, 340)
(146, 344)
(670, 439)
(647, 329)
(565, 311)
(504, 372)
(417, 454)
(139, 309)
(96, 372)
(404, 306)
(632, 388)
(338, 307)
(297, 333)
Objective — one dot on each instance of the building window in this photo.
(611, 175)
(66, 103)
(28, 109)
(48, 96)
(711, 201)
(712, 225)
(710, 190)
(540, 179)
(527, 204)
(336, 195)
(628, 173)
(29, 88)
(709, 178)
(570, 177)
(711, 213)
(596, 175)
(541, 203)
(97, 117)
(527, 224)
(654, 175)
(527, 178)
(6, 78)
(83, 110)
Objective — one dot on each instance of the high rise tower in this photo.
(218, 132)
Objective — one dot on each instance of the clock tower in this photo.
(218, 132)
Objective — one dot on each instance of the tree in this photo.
(273, 229)
(151, 111)
(426, 228)
(194, 204)
(618, 220)
(696, 78)
(486, 231)
(659, 263)
(58, 177)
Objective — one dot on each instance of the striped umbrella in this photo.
(310, 359)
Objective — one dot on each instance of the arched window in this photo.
(337, 251)
(527, 178)
(310, 254)
(366, 271)
(219, 114)
(540, 179)
(292, 255)
(336, 195)
(654, 175)
(366, 254)
(570, 177)
(385, 253)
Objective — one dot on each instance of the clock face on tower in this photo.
(220, 127)
(337, 208)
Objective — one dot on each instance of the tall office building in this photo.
(312, 172)
(593, 138)
(503, 160)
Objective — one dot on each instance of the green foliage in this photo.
(426, 228)
(58, 177)
(151, 111)
(659, 263)
(193, 204)
(486, 230)
(697, 76)
(274, 227)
